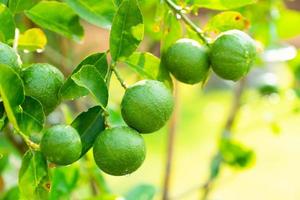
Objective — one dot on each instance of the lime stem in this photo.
(179, 11)
(32, 145)
(120, 79)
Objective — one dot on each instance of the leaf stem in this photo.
(179, 11)
(120, 79)
(32, 145)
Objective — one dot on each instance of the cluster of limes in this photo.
(230, 56)
(146, 106)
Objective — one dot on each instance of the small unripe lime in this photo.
(9, 57)
(147, 106)
(43, 82)
(119, 151)
(188, 61)
(232, 55)
(61, 144)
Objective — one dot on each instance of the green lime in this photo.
(147, 106)
(188, 61)
(9, 57)
(43, 82)
(119, 151)
(232, 55)
(61, 144)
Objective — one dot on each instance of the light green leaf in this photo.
(57, 17)
(89, 78)
(17, 6)
(226, 21)
(7, 24)
(148, 66)
(32, 40)
(97, 12)
(141, 192)
(70, 90)
(32, 117)
(89, 125)
(33, 177)
(127, 30)
(223, 4)
(12, 93)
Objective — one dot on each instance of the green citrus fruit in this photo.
(119, 151)
(61, 144)
(147, 106)
(232, 55)
(188, 61)
(43, 81)
(9, 57)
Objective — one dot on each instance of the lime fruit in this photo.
(43, 82)
(119, 151)
(188, 61)
(9, 57)
(147, 106)
(61, 144)
(232, 55)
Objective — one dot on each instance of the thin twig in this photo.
(181, 12)
(120, 79)
(226, 133)
(171, 144)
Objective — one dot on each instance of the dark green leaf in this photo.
(57, 17)
(223, 4)
(148, 66)
(89, 125)
(17, 6)
(7, 24)
(32, 117)
(127, 30)
(89, 78)
(141, 192)
(97, 12)
(70, 90)
(226, 21)
(3, 117)
(33, 176)
(12, 93)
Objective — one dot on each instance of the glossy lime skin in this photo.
(232, 55)
(9, 57)
(43, 82)
(61, 144)
(147, 106)
(119, 151)
(188, 61)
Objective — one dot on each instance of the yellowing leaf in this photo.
(32, 40)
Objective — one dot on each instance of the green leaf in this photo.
(33, 176)
(12, 194)
(226, 21)
(141, 192)
(235, 154)
(127, 30)
(17, 6)
(57, 17)
(89, 125)
(223, 4)
(64, 180)
(148, 66)
(89, 78)
(97, 12)
(12, 93)
(7, 24)
(32, 117)
(171, 32)
(3, 117)
(32, 40)
(70, 90)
